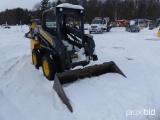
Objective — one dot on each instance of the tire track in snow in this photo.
(12, 70)
(8, 108)
(154, 99)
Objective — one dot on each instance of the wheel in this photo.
(50, 67)
(36, 58)
(90, 32)
(108, 29)
(95, 58)
(101, 31)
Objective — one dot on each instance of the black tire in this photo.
(101, 31)
(90, 32)
(37, 58)
(89, 46)
(49, 66)
(108, 29)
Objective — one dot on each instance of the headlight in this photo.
(61, 9)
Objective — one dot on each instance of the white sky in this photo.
(9, 4)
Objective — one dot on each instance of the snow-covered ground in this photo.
(25, 94)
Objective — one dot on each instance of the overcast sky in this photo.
(9, 4)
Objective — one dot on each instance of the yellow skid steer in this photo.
(60, 44)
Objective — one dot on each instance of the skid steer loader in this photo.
(60, 44)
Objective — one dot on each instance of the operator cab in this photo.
(49, 22)
(64, 19)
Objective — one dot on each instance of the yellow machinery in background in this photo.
(158, 33)
(34, 23)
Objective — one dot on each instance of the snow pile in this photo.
(25, 94)
(67, 5)
(153, 35)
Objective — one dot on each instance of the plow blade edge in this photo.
(74, 75)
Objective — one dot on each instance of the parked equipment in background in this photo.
(141, 23)
(99, 25)
(6, 26)
(153, 24)
(61, 44)
(121, 23)
(158, 32)
(132, 28)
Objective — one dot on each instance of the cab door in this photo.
(104, 24)
(49, 22)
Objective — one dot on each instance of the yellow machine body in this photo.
(158, 32)
(35, 44)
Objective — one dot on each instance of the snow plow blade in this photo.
(74, 75)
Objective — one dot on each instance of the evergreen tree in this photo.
(122, 9)
(45, 5)
(76, 2)
(58, 2)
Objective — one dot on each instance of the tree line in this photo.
(115, 9)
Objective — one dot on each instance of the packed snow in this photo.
(25, 94)
(68, 5)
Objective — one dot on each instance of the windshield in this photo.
(50, 20)
(133, 26)
(96, 22)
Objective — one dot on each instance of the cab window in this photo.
(50, 20)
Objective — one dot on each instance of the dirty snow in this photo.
(25, 94)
